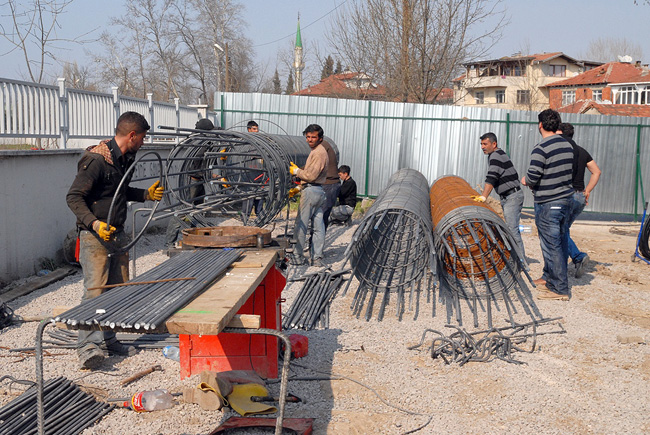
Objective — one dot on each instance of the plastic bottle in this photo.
(172, 352)
(525, 229)
(151, 401)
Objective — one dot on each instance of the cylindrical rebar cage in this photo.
(475, 251)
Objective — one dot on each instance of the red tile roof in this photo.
(613, 72)
(335, 86)
(583, 106)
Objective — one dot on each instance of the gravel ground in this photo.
(584, 381)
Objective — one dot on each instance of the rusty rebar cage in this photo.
(476, 255)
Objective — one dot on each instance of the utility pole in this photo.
(227, 68)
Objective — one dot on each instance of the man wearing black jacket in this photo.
(99, 173)
(342, 213)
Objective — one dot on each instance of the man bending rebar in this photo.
(100, 171)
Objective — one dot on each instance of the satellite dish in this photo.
(625, 59)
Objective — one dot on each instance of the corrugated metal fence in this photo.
(32, 110)
(377, 138)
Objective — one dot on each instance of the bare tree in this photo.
(609, 49)
(79, 77)
(415, 47)
(34, 33)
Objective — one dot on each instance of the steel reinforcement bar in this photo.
(147, 306)
(477, 258)
(392, 246)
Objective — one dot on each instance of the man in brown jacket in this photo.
(312, 200)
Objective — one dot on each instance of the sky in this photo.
(542, 26)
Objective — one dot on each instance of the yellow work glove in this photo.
(293, 192)
(155, 192)
(478, 198)
(293, 169)
(104, 231)
(223, 158)
(225, 186)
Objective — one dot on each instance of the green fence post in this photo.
(368, 147)
(508, 133)
(638, 170)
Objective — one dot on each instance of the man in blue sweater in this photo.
(550, 176)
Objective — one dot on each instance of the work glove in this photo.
(293, 191)
(223, 158)
(293, 169)
(155, 192)
(104, 231)
(225, 186)
(478, 198)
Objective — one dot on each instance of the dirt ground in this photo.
(585, 380)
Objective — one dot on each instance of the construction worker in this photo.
(503, 178)
(312, 200)
(100, 171)
(581, 160)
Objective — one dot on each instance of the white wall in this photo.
(34, 216)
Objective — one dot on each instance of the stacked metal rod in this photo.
(147, 306)
(313, 299)
(477, 258)
(391, 249)
(67, 410)
(235, 169)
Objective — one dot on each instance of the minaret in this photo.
(298, 64)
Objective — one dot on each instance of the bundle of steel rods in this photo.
(231, 172)
(67, 410)
(391, 249)
(313, 300)
(482, 346)
(477, 258)
(147, 306)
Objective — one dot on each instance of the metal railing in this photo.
(32, 110)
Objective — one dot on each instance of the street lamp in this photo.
(225, 52)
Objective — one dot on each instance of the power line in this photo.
(307, 26)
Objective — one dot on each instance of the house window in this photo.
(627, 95)
(523, 97)
(597, 95)
(501, 96)
(645, 95)
(479, 97)
(568, 97)
(518, 71)
(558, 70)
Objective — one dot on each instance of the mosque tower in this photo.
(298, 63)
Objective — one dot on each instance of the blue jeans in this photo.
(341, 213)
(512, 214)
(331, 193)
(552, 220)
(312, 202)
(578, 203)
(100, 269)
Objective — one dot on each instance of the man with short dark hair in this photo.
(503, 178)
(312, 200)
(100, 170)
(549, 176)
(342, 213)
(580, 197)
(252, 127)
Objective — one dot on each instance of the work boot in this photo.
(580, 266)
(544, 293)
(116, 348)
(539, 281)
(317, 262)
(296, 260)
(90, 356)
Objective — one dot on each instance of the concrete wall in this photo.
(34, 217)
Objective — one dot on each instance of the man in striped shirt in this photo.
(503, 178)
(550, 178)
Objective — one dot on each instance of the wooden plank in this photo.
(248, 321)
(213, 310)
(38, 283)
